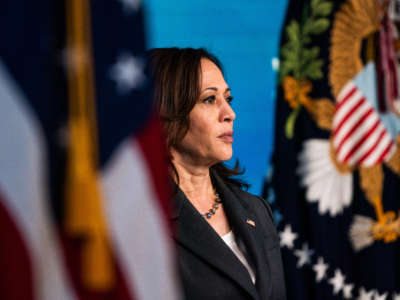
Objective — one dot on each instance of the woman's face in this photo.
(210, 135)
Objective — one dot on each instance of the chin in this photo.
(221, 154)
(225, 156)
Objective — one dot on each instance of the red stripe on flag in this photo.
(154, 151)
(72, 249)
(362, 140)
(365, 156)
(348, 115)
(385, 152)
(354, 128)
(16, 266)
(344, 100)
(153, 145)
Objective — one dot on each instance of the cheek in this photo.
(202, 127)
(199, 139)
(199, 136)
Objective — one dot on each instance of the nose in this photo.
(228, 115)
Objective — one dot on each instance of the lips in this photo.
(227, 136)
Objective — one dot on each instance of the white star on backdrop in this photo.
(275, 64)
(320, 269)
(130, 6)
(337, 281)
(303, 255)
(364, 295)
(380, 297)
(127, 72)
(347, 291)
(396, 296)
(287, 237)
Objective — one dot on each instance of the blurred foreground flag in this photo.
(335, 184)
(83, 175)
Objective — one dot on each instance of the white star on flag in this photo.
(320, 269)
(337, 281)
(130, 5)
(287, 237)
(127, 72)
(396, 296)
(347, 291)
(380, 297)
(303, 255)
(364, 295)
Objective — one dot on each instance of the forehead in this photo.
(211, 75)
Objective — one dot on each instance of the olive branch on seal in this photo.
(300, 61)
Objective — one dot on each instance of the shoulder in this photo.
(260, 212)
(256, 204)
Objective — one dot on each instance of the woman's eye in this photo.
(229, 99)
(210, 99)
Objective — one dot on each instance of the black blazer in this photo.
(208, 268)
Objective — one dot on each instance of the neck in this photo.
(194, 181)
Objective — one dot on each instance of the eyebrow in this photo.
(215, 89)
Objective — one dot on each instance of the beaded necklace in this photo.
(214, 207)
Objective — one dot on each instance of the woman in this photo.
(226, 241)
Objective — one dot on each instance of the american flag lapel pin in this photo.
(251, 222)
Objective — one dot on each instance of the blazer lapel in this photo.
(195, 234)
(239, 214)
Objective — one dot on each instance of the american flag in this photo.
(40, 259)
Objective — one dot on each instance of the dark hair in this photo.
(177, 77)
